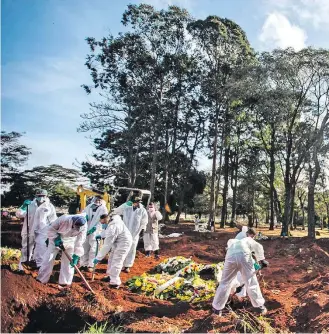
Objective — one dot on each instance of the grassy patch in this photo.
(104, 327)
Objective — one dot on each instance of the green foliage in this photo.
(13, 155)
(57, 180)
(105, 327)
(9, 254)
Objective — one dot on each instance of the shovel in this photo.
(77, 269)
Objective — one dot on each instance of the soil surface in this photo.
(295, 286)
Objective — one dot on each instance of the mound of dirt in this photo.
(295, 286)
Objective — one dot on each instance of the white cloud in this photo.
(278, 32)
(315, 12)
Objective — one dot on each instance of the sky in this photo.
(43, 52)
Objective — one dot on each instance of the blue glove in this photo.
(95, 261)
(87, 218)
(257, 266)
(129, 203)
(92, 230)
(58, 241)
(75, 260)
(98, 237)
(26, 203)
(47, 242)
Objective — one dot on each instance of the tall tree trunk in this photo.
(272, 176)
(313, 176)
(225, 188)
(311, 207)
(154, 162)
(287, 203)
(292, 205)
(234, 188)
(277, 206)
(213, 173)
(301, 203)
(219, 175)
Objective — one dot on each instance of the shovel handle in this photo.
(79, 272)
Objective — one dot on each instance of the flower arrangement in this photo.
(172, 265)
(191, 270)
(179, 280)
(9, 254)
(147, 283)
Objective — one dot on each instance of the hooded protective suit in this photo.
(239, 258)
(243, 233)
(73, 239)
(93, 212)
(238, 281)
(151, 234)
(40, 217)
(136, 221)
(117, 239)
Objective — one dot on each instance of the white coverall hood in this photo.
(243, 233)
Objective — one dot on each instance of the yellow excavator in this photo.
(118, 196)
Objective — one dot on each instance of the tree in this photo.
(13, 155)
(152, 115)
(223, 46)
(57, 180)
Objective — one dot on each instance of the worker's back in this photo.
(245, 246)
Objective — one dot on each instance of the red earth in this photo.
(295, 286)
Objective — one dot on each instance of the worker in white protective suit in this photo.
(239, 258)
(243, 233)
(68, 231)
(92, 212)
(238, 281)
(135, 218)
(151, 234)
(41, 213)
(196, 223)
(118, 240)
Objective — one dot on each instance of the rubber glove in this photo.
(257, 266)
(75, 260)
(87, 218)
(95, 261)
(92, 230)
(98, 237)
(58, 241)
(47, 242)
(26, 203)
(129, 203)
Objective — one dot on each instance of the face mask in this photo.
(151, 209)
(41, 199)
(77, 228)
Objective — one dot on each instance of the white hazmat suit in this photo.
(39, 219)
(243, 233)
(239, 259)
(93, 213)
(238, 281)
(136, 220)
(118, 240)
(151, 234)
(73, 240)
